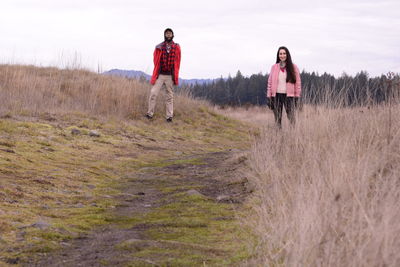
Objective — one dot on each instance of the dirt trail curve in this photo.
(173, 214)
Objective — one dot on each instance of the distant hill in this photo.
(137, 74)
(128, 73)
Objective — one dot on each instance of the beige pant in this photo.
(169, 86)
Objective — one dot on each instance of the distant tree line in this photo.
(316, 89)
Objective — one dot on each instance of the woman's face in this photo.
(282, 55)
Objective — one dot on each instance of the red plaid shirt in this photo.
(168, 57)
(167, 61)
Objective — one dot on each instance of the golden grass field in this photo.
(327, 190)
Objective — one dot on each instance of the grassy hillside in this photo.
(59, 180)
(31, 90)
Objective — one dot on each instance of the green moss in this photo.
(7, 127)
(163, 163)
(140, 263)
(165, 188)
(91, 123)
(54, 236)
(42, 249)
(184, 230)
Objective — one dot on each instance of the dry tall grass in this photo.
(256, 115)
(329, 189)
(33, 90)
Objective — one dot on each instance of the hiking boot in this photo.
(149, 117)
(169, 119)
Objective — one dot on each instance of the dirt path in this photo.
(176, 213)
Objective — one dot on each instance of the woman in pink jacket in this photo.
(284, 86)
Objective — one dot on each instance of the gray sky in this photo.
(217, 37)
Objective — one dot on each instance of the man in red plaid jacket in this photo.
(167, 60)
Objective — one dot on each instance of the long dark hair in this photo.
(291, 77)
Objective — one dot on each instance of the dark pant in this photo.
(279, 101)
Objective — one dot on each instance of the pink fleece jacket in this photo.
(291, 89)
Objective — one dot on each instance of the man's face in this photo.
(168, 35)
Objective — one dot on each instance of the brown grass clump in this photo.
(328, 189)
(32, 90)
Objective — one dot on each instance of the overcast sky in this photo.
(217, 37)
